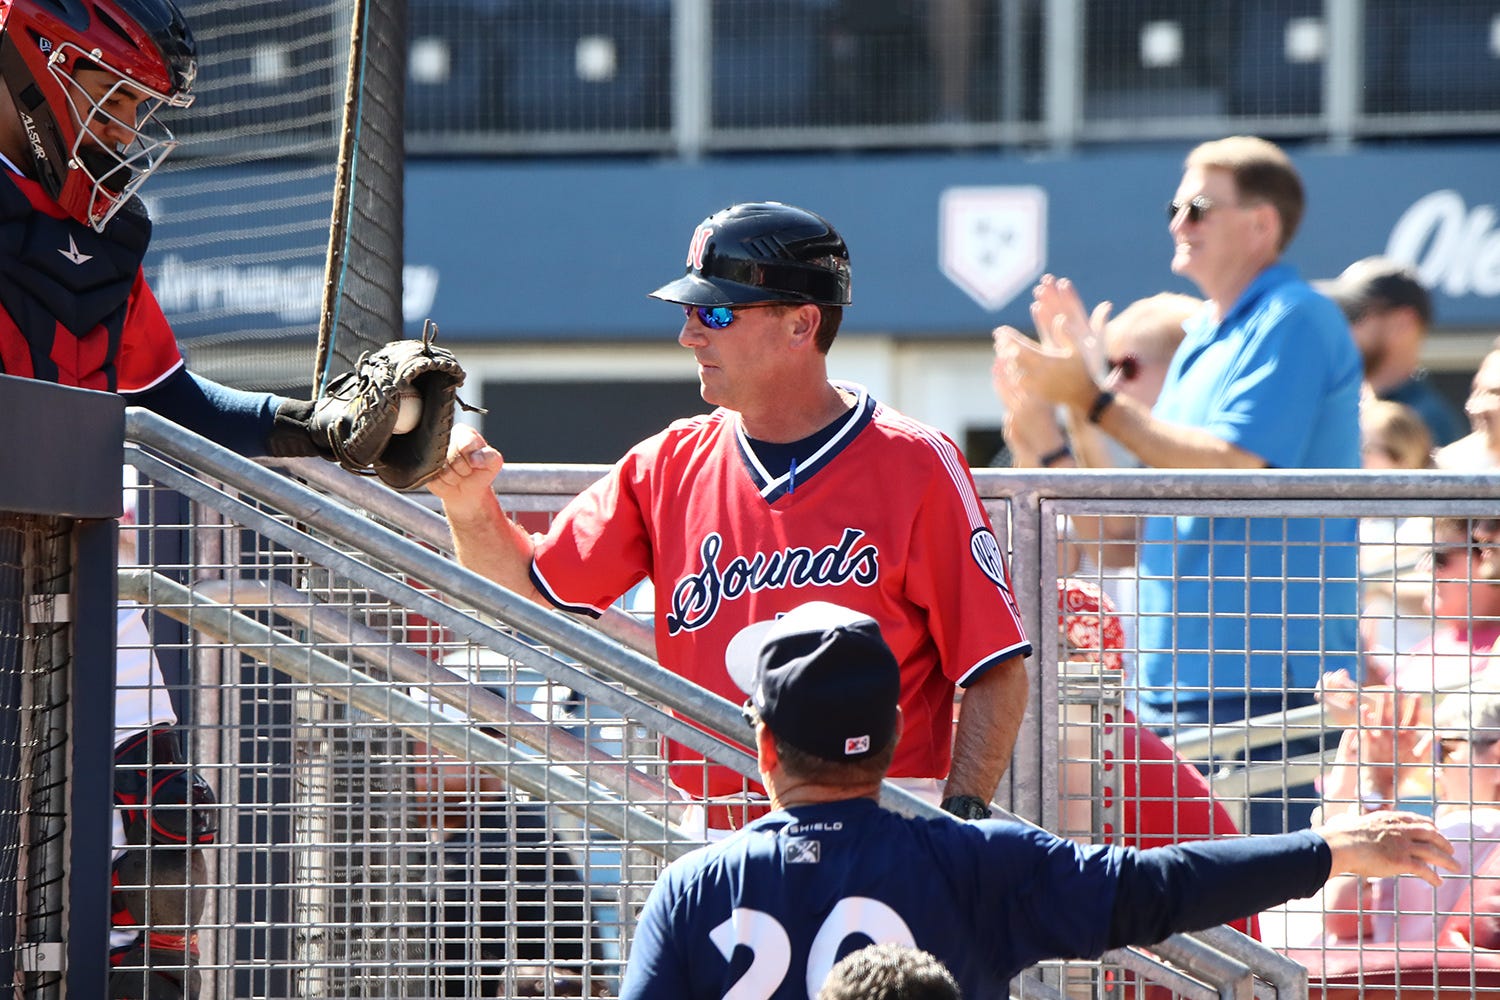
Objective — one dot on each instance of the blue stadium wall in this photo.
(566, 250)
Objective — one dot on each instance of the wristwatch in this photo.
(967, 806)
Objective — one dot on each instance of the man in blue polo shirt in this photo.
(768, 912)
(1239, 615)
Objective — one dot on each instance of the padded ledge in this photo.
(61, 450)
(1410, 972)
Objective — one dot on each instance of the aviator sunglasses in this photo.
(1441, 558)
(1197, 208)
(1448, 747)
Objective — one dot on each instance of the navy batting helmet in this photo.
(762, 252)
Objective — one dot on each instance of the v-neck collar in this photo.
(772, 488)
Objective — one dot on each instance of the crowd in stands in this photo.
(1416, 715)
(1414, 703)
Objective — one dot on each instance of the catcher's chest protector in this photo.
(65, 289)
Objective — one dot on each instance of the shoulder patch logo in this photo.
(804, 852)
(986, 552)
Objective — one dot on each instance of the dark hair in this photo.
(889, 972)
(830, 317)
(1262, 172)
(811, 767)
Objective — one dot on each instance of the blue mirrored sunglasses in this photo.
(713, 317)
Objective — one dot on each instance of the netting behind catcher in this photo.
(282, 211)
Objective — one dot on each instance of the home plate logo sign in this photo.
(992, 241)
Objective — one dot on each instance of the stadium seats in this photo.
(453, 80)
(585, 64)
(268, 69)
(766, 61)
(1281, 54)
(1153, 58)
(1451, 58)
(1279, 61)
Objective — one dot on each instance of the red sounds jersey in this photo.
(74, 305)
(883, 519)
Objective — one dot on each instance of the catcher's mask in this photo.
(88, 78)
(762, 252)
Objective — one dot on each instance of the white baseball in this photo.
(410, 413)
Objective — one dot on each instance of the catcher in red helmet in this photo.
(84, 85)
(87, 80)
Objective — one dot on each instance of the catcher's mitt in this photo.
(358, 413)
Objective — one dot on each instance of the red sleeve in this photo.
(148, 348)
(959, 575)
(599, 545)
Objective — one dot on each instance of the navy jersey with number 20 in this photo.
(767, 913)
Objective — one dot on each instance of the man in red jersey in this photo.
(796, 488)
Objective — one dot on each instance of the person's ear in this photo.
(805, 319)
(1267, 222)
(765, 748)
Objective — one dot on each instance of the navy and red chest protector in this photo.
(64, 289)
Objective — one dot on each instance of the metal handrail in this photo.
(1254, 733)
(1199, 954)
(478, 702)
(558, 783)
(428, 526)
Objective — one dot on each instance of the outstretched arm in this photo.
(241, 421)
(1186, 887)
(485, 539)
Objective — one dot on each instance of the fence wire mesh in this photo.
(35, 567)
(409, 808)
(511, 76)
(1334, 672)
(355, 856)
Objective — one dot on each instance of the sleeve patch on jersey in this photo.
(804, 852)
(986, 551)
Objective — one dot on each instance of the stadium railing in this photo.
(320, 704)
(425, 781)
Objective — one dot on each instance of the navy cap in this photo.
(1376, 283)
(825, 681)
